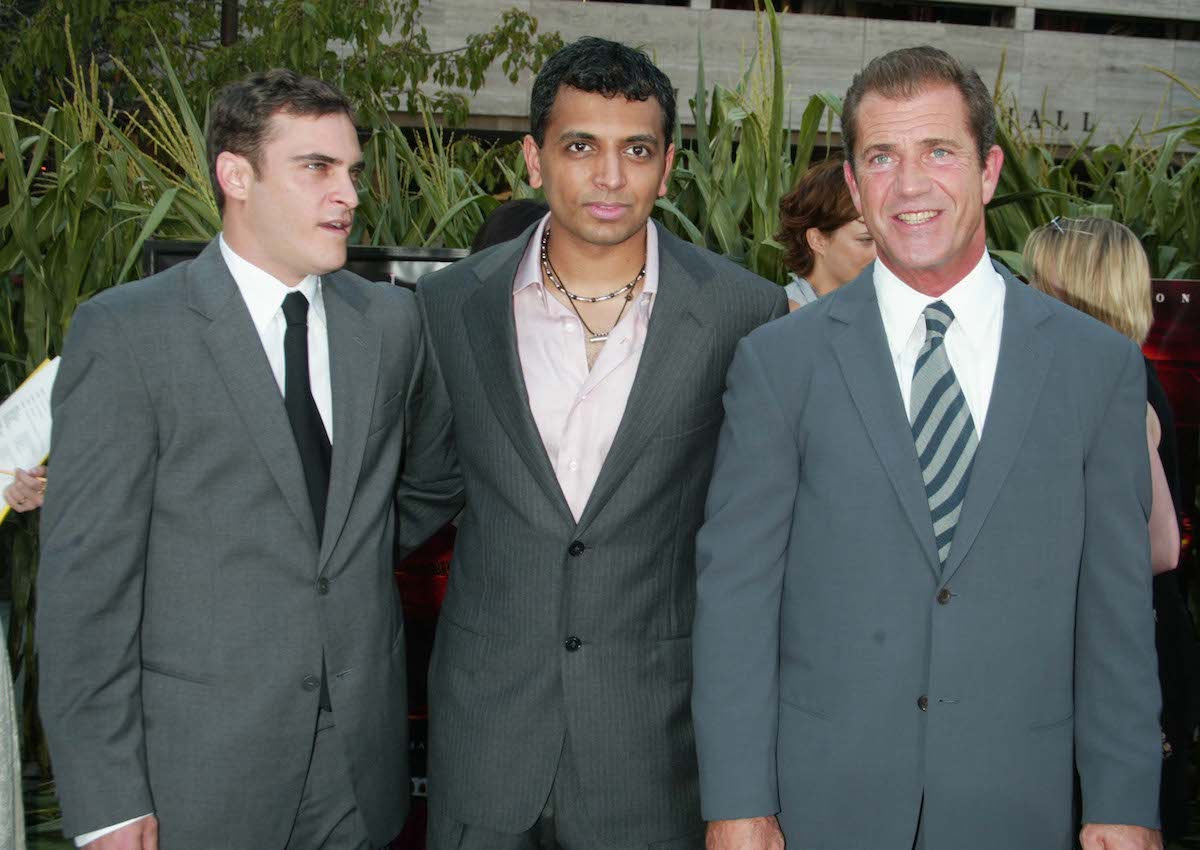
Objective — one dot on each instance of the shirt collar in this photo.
(529, 272)
(264, 293)
(975, 300)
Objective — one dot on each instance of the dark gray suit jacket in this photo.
(841, 675)
(184, 603)
(526, 577)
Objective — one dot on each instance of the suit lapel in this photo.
(1025, 355)
(862, 354)
(238, 353)
(672, 342)
(354, 351)
(491, 329)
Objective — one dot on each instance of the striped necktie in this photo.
(942, 428)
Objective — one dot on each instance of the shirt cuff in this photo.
(89, 837)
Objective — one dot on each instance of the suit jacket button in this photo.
(572, 643)
(322, 586)
(311, 683)
(576, 549)
(944, 595)
(923, 702)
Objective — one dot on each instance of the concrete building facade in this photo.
(1076, 80)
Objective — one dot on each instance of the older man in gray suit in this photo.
(585, 363)
(221, 641)
(924, 588)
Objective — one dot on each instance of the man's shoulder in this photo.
(724, 274)
(1083, 338)
(465, 274)
(374, 297)
(152, 294)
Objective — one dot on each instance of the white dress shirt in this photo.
(972, 341)
(264, 296)
(577, 411)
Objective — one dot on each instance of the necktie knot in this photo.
(295, 308)
(938, 317)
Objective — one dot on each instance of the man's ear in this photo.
(235, 174)
(992, 165)
(670, 161)
(852, 184)
(533, 160)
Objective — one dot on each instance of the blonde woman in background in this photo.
(1098, 266)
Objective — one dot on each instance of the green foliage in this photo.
(1146, 182)
(377, 51)
(424, 192)
(725, 190)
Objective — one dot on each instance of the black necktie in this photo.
(311, 439)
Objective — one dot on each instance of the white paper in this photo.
(25, 422)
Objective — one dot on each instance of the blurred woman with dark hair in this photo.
(827, 243)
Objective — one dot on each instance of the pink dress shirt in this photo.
(577, 411)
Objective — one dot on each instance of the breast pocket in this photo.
(699, 417)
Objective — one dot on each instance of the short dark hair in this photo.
(822, 200)
(904, 74)
(604, 67)
(240, 118)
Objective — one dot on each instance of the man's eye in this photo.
(881, 159)
(940, 153)
(639, 150)
(577, 147)
(315, 166)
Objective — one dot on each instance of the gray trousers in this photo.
(563, 825)
(327, 817)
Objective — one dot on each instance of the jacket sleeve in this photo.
(94, 535)
(1117, 739)
(429, 490)
(740, 557)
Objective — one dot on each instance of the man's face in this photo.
(292, 218)
(920, 187)
(602, 164)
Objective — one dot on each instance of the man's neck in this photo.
(243, 243)
(591, 270)
(936, 282)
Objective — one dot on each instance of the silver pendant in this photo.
(597, 337)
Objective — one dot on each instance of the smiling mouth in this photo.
(917, 217)
(340, 227)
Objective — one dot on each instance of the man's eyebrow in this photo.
(315, 157)
(642, 139)
(576, 135)
(938, 142)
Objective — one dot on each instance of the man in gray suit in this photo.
(923, 577)
(585, 362)
(221, 641)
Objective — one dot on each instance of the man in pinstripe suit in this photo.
(585, 365)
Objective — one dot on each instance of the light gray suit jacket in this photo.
(184, 602)
(841, 675)
(526, 577)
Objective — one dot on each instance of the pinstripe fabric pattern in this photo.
(505, 687)
(942, 428)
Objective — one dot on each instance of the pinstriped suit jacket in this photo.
(504, 687)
